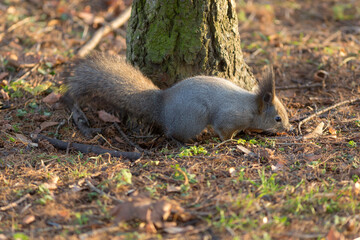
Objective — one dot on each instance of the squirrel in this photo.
(183, 110)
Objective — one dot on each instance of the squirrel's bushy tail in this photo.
(108, 80)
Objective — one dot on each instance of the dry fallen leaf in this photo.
(172, 188)
(140, 207)
(53, 22)
(52, 184)
(278, 167)
(316, 133)
(334, 235)
(178, 230)
(332, 130)
(356, 188)
(350, 225)
(232, 172)
(143, 208)
(3, 75)
(45, 125)
(245, 150)
(28, 219)
(52, 98)
(24, 140)
(312, 157)
(77, 187)
(90, 18)
(4, 95)
(107, 117)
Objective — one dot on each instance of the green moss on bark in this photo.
(175, 39)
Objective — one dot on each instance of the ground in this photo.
(257, 186)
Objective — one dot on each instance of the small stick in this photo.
(223, 142)
(14, 204)
(300, 87)
(25, 75)
(116, 23)
(85, 148)
(325, 110)
(62, 123)
(130, 142)
(79, 117)
(331, 37)
(102, 193)
(186, 179)
(16, 25)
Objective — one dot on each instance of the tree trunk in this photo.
(170, 40)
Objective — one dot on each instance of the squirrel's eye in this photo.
(278, 118)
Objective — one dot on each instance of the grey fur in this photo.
(183, 110)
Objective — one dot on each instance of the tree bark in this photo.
(170, 40)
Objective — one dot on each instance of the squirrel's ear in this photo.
(264, 101)
(268, 97)
(266, 91)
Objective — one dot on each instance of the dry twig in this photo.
(18, 24)
(300, 87)
(85, 148)
(79, 117)
(14, 204)
(186, 179)
(116, 23)
(325, 110)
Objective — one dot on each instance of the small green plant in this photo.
(180, 172)
(11, 139)
(241, 141)
(151, 190)
(78, 173)
(184, 188)
(241, 174)
(267, 185)
(45, 194)
(19, 85)
(281, 220)
(355, 178)
(21, 112)
(82, 218)
(357, 123)
(253, 141)
(352, 144)
(123, 177)
(167, 152)
(20, 236)
(33, 105)
(233, 221)
(46, 69)
(192, 151)
(16, 128)
(341, 12)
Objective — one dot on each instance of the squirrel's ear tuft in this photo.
(266, 89)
